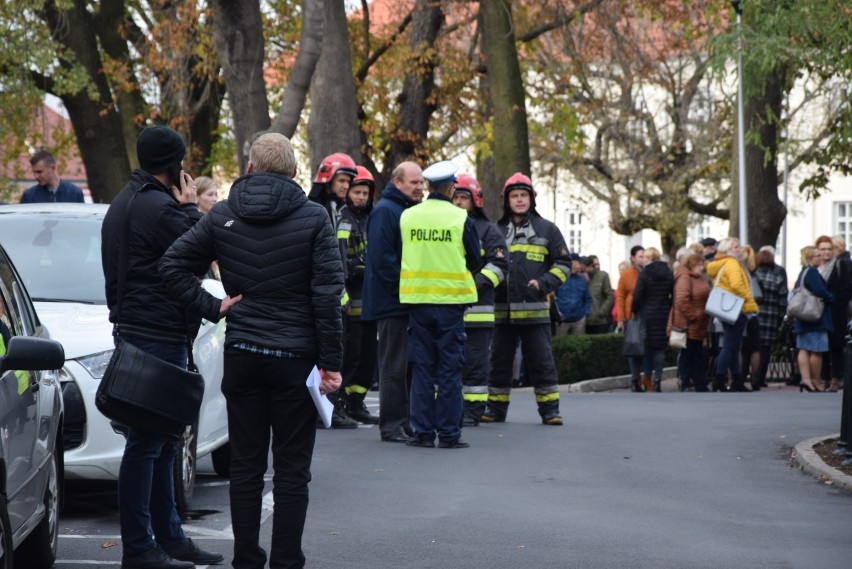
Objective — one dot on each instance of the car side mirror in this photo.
(26, 353)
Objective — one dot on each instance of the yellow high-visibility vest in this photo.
(433, 256)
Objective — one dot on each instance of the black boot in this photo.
(657, 388)
(340, 420)
(495, 412)
(354, 407)
(738, 385)
(473, 411)
(720, 383)
(636, 385)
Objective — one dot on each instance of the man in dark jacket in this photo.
(49, 187)
(539, 263)
(277, 253)
(331, 183)
(603, 297)
(479, 318)
(574, 301)
(155, 207)
(381, 297)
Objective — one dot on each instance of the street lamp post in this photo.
(741, 166)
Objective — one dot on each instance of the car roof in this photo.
(58, 209)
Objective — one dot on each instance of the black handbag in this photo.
(142, 391)
(635, 332)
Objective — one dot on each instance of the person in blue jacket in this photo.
(380, 300)
(574, 300)
(49, 188)
(812, 337)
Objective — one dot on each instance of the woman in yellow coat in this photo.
(734, 280)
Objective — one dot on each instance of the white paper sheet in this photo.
(324, 406)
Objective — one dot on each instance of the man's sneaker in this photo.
(552, 419)
(458, 443)
(194, 554)
(155, 558)
(340, 420)
(359, 412)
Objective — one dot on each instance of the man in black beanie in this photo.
(158, 205)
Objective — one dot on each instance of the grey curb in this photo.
(609, 383)
(809, 461)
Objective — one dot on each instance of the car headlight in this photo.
(96, 364)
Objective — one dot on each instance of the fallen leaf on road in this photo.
(108, 544)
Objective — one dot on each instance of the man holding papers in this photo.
(278, 252)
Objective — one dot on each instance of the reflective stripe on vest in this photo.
(433, 255)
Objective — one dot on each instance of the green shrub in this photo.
(579, 358)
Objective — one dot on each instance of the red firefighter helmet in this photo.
(333, 164)
(469, 183)
(518, 181)
(363, 176)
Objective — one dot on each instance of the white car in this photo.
(57, 250)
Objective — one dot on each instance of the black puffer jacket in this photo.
(278, 250)
(652, 298)
(157, 219)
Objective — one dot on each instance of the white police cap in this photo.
(441, 172)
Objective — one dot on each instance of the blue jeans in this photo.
(146, 503)
(732, 339)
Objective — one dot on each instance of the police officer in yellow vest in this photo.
(440, 249)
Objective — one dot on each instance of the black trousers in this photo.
(394, 381)
(267, 395)
(359, 356)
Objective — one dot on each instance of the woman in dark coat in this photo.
(652, 299)
(812, 337)
(836, 270)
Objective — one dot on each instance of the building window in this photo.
(698, 232)
(843, 221)
(574, 231)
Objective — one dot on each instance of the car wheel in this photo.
(6, 554)
(38, 551)
(222, 460)
(184, 470)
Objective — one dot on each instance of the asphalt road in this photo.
(665, 480)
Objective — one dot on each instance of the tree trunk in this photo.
(416, 102)
(128, 99)
(492, 188)
(96, 123)
(766, 212)
(333, 124)
(238, 37)
(296, 91)
(511, 148)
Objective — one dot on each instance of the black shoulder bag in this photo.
(143, 391)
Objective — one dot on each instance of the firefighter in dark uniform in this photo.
(440, 248)
(329, 189)
(359, 349)
(479, 318)
(539, 263)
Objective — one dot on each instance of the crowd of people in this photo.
(426, 298)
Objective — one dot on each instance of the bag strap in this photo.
(719, 276)
(122, 273)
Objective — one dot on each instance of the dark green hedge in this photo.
(592, 356)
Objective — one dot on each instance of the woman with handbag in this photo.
(691, 289)
(729, 275)
(652, 300)
(812, 336)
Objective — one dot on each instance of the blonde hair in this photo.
(807, 251)
(697, 248)
(725, 244)
(273, 153)
(652, 254)
(203, 183)
(747, 255)
(839, 242)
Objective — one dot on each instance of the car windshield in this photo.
(58, 258)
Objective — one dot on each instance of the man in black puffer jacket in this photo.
(278, 253)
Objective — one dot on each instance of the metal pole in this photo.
(741, 166)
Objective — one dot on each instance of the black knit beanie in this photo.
(158, 148)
